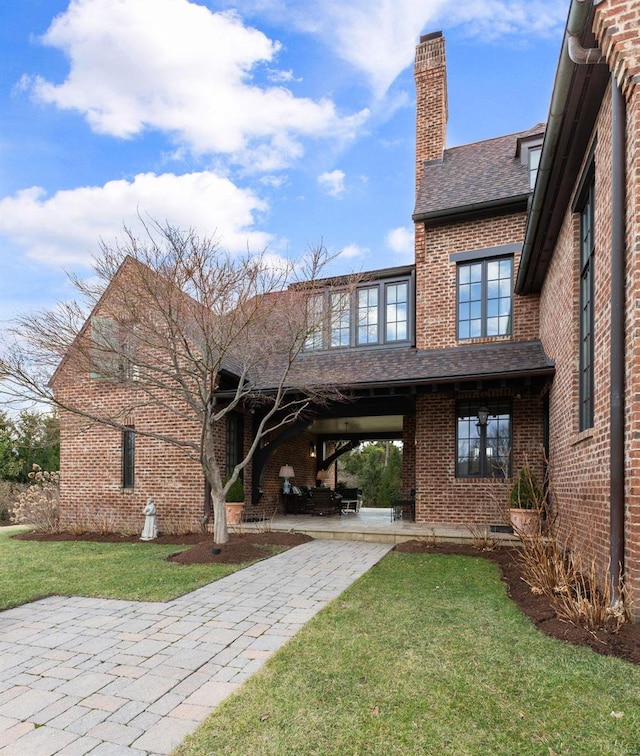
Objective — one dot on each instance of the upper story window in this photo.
(368, 315)
(112, 350)
(397, 315)
(340, 316)
(587, 254)
(529, 151)
(485, 297)
(534, 164)
(376, 313)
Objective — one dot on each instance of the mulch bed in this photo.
(247, 547)
(241, 548)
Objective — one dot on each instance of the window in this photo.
(340, 319)
(235, 440)
(534, 163)
(368, 315)
(128, 457)
(484, 298)
(483, 451)
(396, 315)
(587, 250)
(315, 307)
(375, 314)
(113, 350)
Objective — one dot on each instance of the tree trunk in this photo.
(220, 531)
(211, 469)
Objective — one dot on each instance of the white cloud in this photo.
(400, 241)
(378, 36)
(332, 183)
(352, 251)
(175, 66)
(66, 227)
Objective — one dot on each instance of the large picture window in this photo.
(485, 298)
(483, 450)
(587, 253)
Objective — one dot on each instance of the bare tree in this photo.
(185, 328)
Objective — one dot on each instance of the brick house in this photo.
(511, 334)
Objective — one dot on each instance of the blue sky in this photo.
(269, 123)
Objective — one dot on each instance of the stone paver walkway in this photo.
(111, 678)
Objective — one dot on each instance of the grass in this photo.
(427, 655)
(30, 570)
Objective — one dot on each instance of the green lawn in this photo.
(427, 655)
(31, 570)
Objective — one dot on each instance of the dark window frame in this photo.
(484, 298)
(321, 339)
(467, 415)
(587, 308)
(128, 457)
(235, 441)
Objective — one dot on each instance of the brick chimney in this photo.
(430, 72)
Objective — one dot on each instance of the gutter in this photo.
(472, 209)
(578, 16)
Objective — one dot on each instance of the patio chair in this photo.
(325, 502)
(351, 500)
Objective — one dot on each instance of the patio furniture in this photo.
(325, 502)
(351, 500)
(403, 509)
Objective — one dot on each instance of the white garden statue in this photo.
(150, 530)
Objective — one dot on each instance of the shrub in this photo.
(526, 492)
(236, 492)
(8, 492)
(38, 504)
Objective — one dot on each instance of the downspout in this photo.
(617, 413)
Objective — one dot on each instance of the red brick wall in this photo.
(91, 469)
(580, 460)
(443, 498)
(436, 279)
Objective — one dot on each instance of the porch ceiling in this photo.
(348, 426)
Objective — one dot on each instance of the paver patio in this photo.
(104, 677)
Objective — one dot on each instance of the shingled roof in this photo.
(396, 367)
(477, 174)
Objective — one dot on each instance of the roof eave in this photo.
(514, 203)
(575, 102)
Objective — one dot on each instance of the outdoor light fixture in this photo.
(286, 472)
(483, 416)
(312, 450)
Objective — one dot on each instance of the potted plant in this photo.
(234, 503)
(526, 502)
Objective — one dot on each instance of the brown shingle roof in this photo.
(387, 367)
(474, 174)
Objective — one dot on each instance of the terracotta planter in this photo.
(234, 512)
(526, 522)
